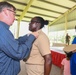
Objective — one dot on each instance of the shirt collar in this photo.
(39, 31)
(5, 25)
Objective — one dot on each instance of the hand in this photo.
(36, 34)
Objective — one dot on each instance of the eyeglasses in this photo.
(12, 11)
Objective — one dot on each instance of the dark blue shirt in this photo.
(73, 64)
(12, 51)
(73, 60)
(74, 40)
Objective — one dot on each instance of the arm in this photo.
(22, 39)
(47, 64)
(16, 50)
(61, 71)
(44, 48)
(12, 48)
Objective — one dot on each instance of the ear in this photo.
(38, 26)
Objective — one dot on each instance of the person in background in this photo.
(67, 39)
(12, 50)
(39, 61)
(71, 50)
(65, 65)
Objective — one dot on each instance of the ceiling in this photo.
(48, 9)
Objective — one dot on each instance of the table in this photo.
(57, 55)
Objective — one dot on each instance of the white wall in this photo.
(24, 28)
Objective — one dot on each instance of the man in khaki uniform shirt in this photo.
(39, 61)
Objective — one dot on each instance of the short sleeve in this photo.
(63, 61)
(44, 45)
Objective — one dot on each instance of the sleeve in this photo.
(44, 45)
(12, 48)
(22, 39)
(74, 41)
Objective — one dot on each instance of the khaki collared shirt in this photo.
(40, 47)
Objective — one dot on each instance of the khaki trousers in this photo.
(34, 69)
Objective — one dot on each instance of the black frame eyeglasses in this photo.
(12, 11)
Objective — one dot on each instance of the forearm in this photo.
(15, 50)
(61, 71)
(47, 69)
(47, 66)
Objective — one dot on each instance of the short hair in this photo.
(42, 21)
(68, 55)
(5, 4)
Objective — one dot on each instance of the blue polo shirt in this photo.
(74, 40)
(73, 64)
(73, 60)
(12, 51)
